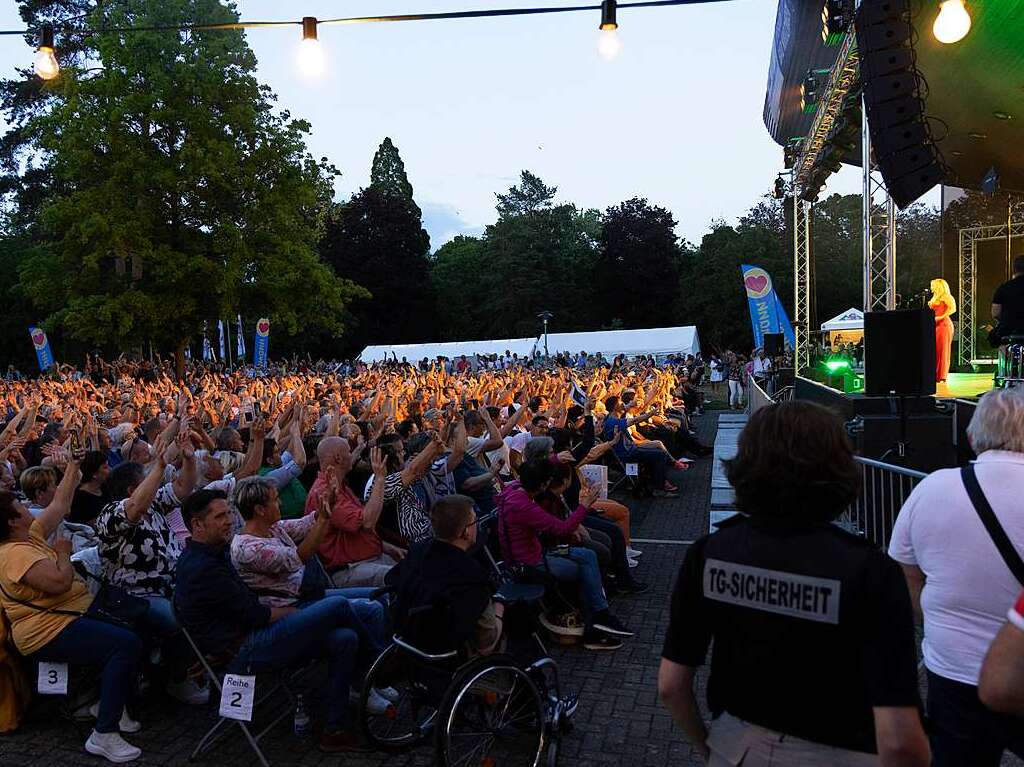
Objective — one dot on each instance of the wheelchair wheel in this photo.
(492, 716)
(410, 717)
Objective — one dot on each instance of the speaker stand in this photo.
(902, 445)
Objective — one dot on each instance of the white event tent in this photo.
(632, 343)
(849, 325)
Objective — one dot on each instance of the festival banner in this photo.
(207, 346)
(220, 329)
(42, 346)
(767, 314)
(262, 342)
(240, 338)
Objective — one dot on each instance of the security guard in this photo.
(814, 661)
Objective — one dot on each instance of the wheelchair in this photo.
(496, 710)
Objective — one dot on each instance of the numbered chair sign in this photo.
(236, 697)
(53, 678)
(632, 470)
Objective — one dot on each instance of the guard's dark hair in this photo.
(197, 505)
(795, 460)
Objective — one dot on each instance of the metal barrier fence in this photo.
(884, 489)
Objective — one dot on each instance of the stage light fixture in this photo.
(953, 22)
(790, 152)
(45, 62)
(835, 21)
(779, 192)
(838, 365)
(809, 94)
(609, 44)
(311, 57)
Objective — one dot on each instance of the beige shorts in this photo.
(734, 742)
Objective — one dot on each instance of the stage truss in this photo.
(879, 211)
(968, 303)
(803, 213)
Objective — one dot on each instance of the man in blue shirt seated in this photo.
(652, 455)
(227, 621)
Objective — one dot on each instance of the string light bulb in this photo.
(312, 59)
(45, 62)
(953, 22)
(609, 44)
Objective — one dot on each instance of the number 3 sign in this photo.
(53, 679)
(236, 697)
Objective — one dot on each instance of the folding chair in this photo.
(612, 461)
(282, 682)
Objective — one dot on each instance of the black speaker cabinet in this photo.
(899, 353)
(928, 440)
(773, 345)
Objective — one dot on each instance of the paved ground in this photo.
(619, 720)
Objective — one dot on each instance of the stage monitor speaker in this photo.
(899, 353)
(773, 345)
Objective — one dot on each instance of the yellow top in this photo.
(32, 629)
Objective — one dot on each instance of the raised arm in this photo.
(494, 438)
(375, 503)
(185, 483)
(139, 502)
(54, 514)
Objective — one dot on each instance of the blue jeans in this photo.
(91, 642)
(161, 625)
(328, 628)
(580, 566)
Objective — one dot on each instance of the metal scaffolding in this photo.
(802, 286)
(968, 299)
(879, 218)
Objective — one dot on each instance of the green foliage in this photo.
(378, 241)
(177, 193)
(531, 196)
(387, 174)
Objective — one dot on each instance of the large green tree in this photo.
(463, 283)
(177, 192)
(638, 268)
(388, 176)
(377, 241)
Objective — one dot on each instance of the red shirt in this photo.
(346, 540)
(1016, 615)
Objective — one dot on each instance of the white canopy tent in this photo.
(656, 341)
(851, 319)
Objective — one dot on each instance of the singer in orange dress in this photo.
(944, 306)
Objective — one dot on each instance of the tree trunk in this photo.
(179, 360)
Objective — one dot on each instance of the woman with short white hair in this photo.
(961, 580)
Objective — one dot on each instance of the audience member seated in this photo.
(653, 456)
(48, 604)
(414, 482)
(231, 625)
(521, 523)
(90, 497)
(352, 552)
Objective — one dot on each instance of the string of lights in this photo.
(311, 58)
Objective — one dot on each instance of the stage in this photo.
(964, 386)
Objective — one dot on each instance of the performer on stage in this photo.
(944, 306)
(1008, 306)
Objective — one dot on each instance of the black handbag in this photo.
(111, 604)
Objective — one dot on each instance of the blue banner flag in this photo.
(767, 314)
(259, 350)
(240, 338)
(42, 346)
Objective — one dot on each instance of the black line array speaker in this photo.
(899, 353)
(902, 145)
(773, 345)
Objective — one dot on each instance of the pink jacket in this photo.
(520, 522)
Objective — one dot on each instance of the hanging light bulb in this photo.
(953, 22)
(609, 44)
(45, 63)
(312, 60)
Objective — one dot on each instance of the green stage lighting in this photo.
(835, 367)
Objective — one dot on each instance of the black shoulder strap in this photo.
(988, 518)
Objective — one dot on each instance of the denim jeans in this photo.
(619, 562)
(655, 460)
(160, 625)
(964, 733)
(91, 642)
(580, 566)
(328, 628)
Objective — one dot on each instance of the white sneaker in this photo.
(632, 563)
(111, 746)
(127, 724)
(633, 553)
(189, 692)
(376, 703)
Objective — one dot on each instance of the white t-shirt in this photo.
(518, 441)
(967, 586)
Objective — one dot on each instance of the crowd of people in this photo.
(263, 514)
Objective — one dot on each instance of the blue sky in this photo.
(675, 118)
